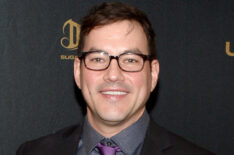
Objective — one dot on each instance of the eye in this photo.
(97, 60)
(130, 60)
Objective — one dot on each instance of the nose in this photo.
(113, 73)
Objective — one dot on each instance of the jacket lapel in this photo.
(156, 140)
(68, 142)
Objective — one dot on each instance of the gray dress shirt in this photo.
(130, 140)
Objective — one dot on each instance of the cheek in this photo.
(140, 81)
(88, 86)
(87, 79)
(90, 80)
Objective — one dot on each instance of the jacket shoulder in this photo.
(51, 143)
(183, 146)
(164, 141)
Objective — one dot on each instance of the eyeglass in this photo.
(127, 61)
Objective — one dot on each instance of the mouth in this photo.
(114, 93)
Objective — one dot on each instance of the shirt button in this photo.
(108, 143)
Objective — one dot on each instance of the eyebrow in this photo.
(133, 50)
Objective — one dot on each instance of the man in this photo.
(116, 70)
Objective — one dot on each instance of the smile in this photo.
(114, 93)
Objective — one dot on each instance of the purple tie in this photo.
(107, 150)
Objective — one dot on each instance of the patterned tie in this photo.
(107, 150)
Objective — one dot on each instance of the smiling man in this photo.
(116, 90)
(116, 70)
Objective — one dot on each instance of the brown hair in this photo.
(108, 13)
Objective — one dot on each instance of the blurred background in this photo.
(195, 94)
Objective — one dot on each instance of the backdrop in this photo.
(195, 94)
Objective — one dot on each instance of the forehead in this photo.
(117, 37)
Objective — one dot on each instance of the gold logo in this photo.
(228, 51)
(71, 41)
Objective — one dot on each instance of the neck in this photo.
(111, 128)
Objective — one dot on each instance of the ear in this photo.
(154, 73)
(77, 71)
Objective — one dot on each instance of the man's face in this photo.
(114, 96)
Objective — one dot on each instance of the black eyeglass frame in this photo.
(83, 54)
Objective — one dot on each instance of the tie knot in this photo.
(107, 148)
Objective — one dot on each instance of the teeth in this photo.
(114, 93)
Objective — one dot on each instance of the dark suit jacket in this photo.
(158, 141)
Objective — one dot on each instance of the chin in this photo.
(113, 117)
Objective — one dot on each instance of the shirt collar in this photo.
(128, 139)
(132, 137)
(90, 137)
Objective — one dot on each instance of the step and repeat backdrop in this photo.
(195, 94)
